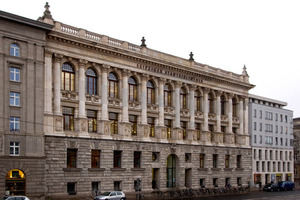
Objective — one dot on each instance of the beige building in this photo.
(115, 112)
(22, 157)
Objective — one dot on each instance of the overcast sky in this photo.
(264, 35)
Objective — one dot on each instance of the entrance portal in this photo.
(15, 182)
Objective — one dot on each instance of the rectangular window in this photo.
(259, 154)
(202, 159)
(263, 166)
(257, 166)
(71, 188)
(14, 74)
(14, 99)
(168, 124)
(71, 158)
(68, 114)
(269, 166)
(239, 181)
(14, 148)
(14, 123)
(271, 154)
(215, 182)
(117, 186)
(215, 161)
(254, 139)
(117, 159)
(227, 161)
(95, 159)
(202, 182)
(254, 153)
(238, 161)
(151, 122)
(137, 159)
(133, 121)
(92, 120)
(254, 113)
(198, 129)
(183, 125)
(254, 126)
(96, 188)
(113, 117)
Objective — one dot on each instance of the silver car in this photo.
(14, 198)
(115, 195)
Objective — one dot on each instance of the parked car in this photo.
(286, 185)
(14, 198)
(270, 187)
(114, 195)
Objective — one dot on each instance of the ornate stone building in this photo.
(271, 130)
(22, 157)
(116, 112)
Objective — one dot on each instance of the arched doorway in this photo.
(171, 170)
(15, 182)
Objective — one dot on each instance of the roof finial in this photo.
(191, 56)
(245, 73)
(47, 13)
(143, 42)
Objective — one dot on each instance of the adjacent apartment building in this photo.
(297, 150)
(97, 113)
(271, 130)
(22, 155)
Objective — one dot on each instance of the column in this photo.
(230, 96)
(81, 87)
(192, 107)
(125, 96)
(144, 98)
(246, 116)
(177, 104)
(218, 111)
(205, 109)
(104, 89)
(161, 109)
(48, 82)
(57, 83)
(241, 115)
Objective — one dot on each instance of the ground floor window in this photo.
(171, 171)
(15, 182)
(117, 185)
(71, 187)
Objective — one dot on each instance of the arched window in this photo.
(182, 98)
(91, 82)
(210, 103)
(223, 103)
(150, 92)
(197, 100)
(234, 107)
(68, 77)
(14, 50)
(113, 85)
(167, 95)
(132, 84)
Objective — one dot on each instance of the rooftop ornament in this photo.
(245, 73)
(47, 13)
(191, 56)
(143, 42)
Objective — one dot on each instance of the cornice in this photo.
(145, 60)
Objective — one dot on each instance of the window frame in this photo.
(91, 81)
(133, 121)
(113, 85)
(132, 89)
(15, 123)
(137, 158)
(95, 158)
(68, 77)
(183, 98)
(150, 92)
(14, 148)
(68, 118)
(72, 157)
(15, 74)
(168, 124)
(151, 122)
(113, 117)
(14, 50)
(197, 101)
(14, 98)
(117, 159)
(92, 121)
(167, 95)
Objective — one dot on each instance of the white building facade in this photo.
(271, 130)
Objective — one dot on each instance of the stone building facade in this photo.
(296, 129)
(271, 130)
(22, 157)
(116, 112)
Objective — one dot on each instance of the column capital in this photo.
(82, 62)
(178, 84)
(48, 53)
(105, 67)
(162, 80)
(57, 57)
(206, 90)
(125, 72)
(230, 96)
(192, 87)
(145, 77)
(219, 93)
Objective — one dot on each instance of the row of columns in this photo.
(243, 106)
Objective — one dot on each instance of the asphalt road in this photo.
(257, 195)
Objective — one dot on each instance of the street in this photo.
(257, 195)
